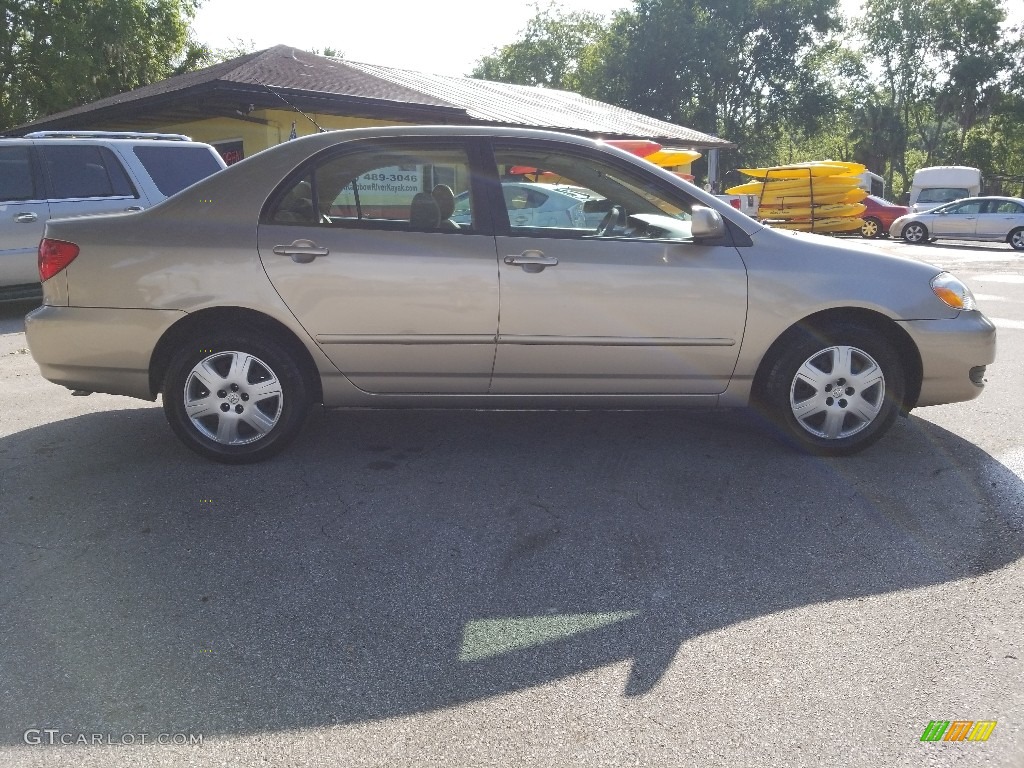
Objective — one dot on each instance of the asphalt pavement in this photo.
(505, 589)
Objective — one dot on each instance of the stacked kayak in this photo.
(811, 197)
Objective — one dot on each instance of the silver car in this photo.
(991, 219)
(327, 270)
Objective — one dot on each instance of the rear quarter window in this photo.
(174, 168)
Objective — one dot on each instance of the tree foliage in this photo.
(551, 52)
(55, 54)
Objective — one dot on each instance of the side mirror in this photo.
(706, 223)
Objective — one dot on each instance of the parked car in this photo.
(242, 307)
(53, 174)
(879, 216)
(992, 219)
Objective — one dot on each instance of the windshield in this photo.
(941, 194)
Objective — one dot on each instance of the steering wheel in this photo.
(615, 218)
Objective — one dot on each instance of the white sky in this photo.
(444, 38)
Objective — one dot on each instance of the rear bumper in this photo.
(951, 352)
(97, 349)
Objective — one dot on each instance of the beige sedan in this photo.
(329, 270)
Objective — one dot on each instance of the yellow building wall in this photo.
(256, 137)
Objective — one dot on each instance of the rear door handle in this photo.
(301, 251)
(25, 218)
(133, 209)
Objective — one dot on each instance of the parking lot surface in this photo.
(495, 589)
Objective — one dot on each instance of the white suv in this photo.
(56, 174)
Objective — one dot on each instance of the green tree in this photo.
(550, 53)
(735, 69)
(56, 54)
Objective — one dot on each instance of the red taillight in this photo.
(54, 255)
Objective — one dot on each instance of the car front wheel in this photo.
(236, 399)
(835, 392)
(915, 232)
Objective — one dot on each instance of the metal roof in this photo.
(537, 107)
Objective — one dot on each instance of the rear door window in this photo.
(82, 171)
(17, 182)
(174, 168)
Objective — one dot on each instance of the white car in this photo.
(992, 219)
(532, 204)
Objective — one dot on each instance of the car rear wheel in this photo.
(872, 228)
(1016, 239)
(235, 399)
(915, 232)
(834, 392)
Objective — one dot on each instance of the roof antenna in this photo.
(319, 128)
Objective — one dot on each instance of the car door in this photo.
(634, 306)
(23, 214)
(86, 179)
(399, 300)
(960, 219)
(999, 218)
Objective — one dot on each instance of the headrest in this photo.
(445, 199)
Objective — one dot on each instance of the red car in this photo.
(879, 216)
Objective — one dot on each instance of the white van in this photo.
(943, 184)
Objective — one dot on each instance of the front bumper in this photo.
(97, 349)
(951, 352)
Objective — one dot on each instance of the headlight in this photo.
(952, 292)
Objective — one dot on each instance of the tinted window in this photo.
(85, 171)
(174, 168)
(16, 181)
(406, 187)
(966, 208)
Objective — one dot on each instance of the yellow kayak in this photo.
(805, 170)
(793, 198)
(820, 225)
(838, 210)
(668, 158)
(819, 184)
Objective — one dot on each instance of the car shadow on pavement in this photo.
(399, 562)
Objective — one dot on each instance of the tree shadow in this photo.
(399, 562)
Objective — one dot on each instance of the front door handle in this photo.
(531, 261)
(301, 251)
(25, 218)
(133, 209)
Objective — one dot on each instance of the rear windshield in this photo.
(174, 168)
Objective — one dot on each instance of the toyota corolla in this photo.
(326, 270)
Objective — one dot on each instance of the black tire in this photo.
(872, 228)
(1016, 239)
(812, 389)
(915, 232)
(255, 404)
